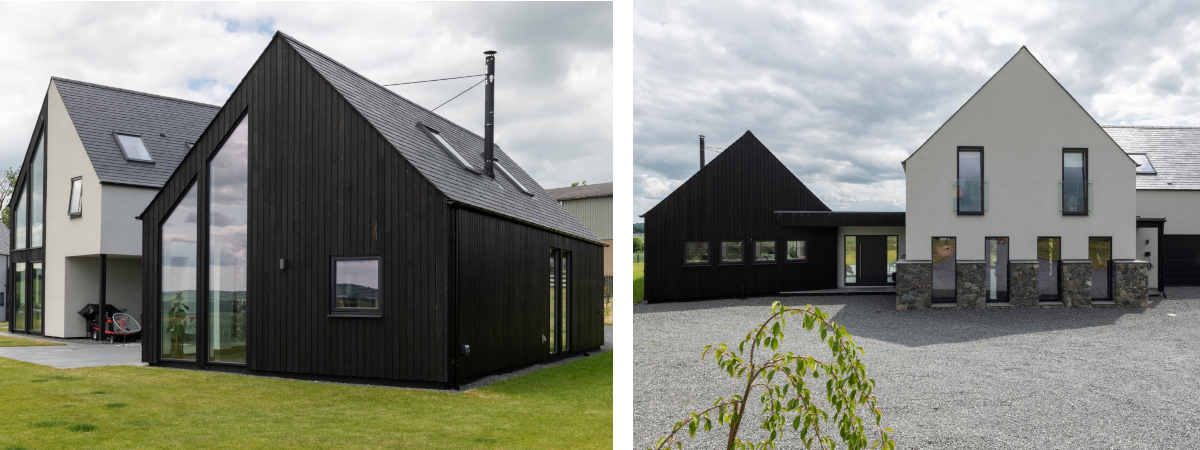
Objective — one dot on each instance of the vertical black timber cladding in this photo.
(323, 183)
(504, 297)
(734, 198)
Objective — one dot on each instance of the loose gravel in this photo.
(971, 379)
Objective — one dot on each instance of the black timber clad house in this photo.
(341, 170)
(735, 198)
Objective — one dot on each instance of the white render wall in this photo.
(1023, 119)
(863, 231)
(1181, 208)
(106, 226)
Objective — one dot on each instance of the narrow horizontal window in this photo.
(133, 147)
(695, 253)
(449, 149)
(356, 286)
(731, 252)
(764, 251)
(797, 251)
(512, 178)
(1143, 163)
(75, 206)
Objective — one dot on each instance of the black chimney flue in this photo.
(489, 97)
(702, 151)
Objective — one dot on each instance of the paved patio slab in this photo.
(72, 356)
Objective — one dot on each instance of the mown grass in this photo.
(567, 406)
(639, 281)
(10, 341)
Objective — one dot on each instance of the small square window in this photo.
(75, 206)
(449, 149)
(731, 252)
(764, 251)
(133, 147)
(695, 253)
(1143, 163)
(797, 251)
(356, 290)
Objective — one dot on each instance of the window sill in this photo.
(698, 265)
(796, 261)
(733, 263)
(763, 263)
(75, 216)
(961, 213)
(1074, 214)
(356, 314)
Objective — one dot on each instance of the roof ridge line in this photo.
(1164, 127)
(129, 91)
(451, 122)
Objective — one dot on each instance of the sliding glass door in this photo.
(20, 299)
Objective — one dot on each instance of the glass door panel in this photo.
(1049, 253)
(945, 267)
(564, 302)
(1100, 254)
(851, 261)
(553, 301)
(178, 295)
(893, 255)
(19, 297)
(996, 257)
(37, 297)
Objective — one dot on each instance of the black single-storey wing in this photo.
(324, 227)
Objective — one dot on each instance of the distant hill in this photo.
(639, 228)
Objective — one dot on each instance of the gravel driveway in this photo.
(995, 379)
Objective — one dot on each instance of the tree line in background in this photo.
(639, 228)
(638, 245)
(6, 189)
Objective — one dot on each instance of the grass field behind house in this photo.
(639, 281)
(566, 406)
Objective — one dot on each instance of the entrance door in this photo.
(872, 261)
(20, 299)
(1100, 254)
(28, 297)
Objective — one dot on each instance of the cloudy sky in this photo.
(553, 83)
(843, 91)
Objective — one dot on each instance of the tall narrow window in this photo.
(356, 286)
(945, 268)
(996, 259)
(851, 260)
(37, 297)
(178, 290)
(1049, 255)
(19, 306)
(893, 255)
(695, 252)
(731, 252)
(75, 206)
(970, 180)
(1075, 182)
(797, 251)
(564, 301)
(20, 220)
(554, 296)
(227, 201)
(764, 251)
(1100, 254)
(37, 198)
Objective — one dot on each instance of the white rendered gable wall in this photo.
(1023, 119)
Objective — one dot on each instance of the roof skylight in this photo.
(133, 147)
(1143, 163)
(512, 178)
(450, 149)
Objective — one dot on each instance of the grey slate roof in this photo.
(578, 192)
(1173, 151)
(396, 118)
(98, 111)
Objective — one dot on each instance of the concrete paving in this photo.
(71, 356)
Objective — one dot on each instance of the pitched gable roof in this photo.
(580, 192)
(743, 146)
(1173, 151)
(1022, 53)
(165, 125)
(397, 120)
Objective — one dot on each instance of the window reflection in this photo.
(178, 294)
(357, 284)
(227, 200)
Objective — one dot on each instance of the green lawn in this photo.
(567, 406)
(639, 281)
(9, 341)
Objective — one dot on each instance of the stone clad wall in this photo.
(1076, 283)
(1130, 279)
(914, 284)
(971, 284)
(1023, 283)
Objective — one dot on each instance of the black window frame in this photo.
(958, 176)
(334, 310)
(1057, 271)
(707, 247)
(71, 196)
(721, 258)
(1087, 194)
(754, 245)
(788, 260)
